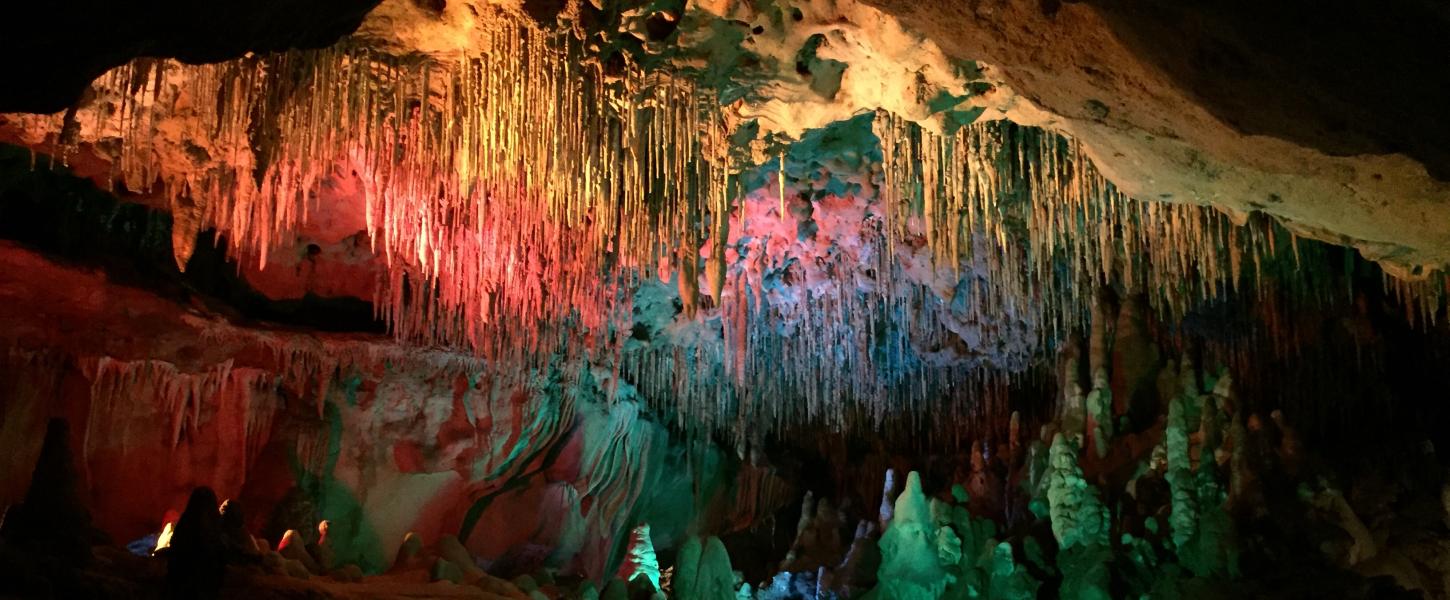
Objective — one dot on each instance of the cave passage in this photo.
(723, 300)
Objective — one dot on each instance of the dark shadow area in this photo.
(69, 218)
(1344, 77)
(57, 47)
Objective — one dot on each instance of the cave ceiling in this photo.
(783, 140)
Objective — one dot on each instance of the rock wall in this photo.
(378, 439)
(1176, 107)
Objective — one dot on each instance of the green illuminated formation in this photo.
(640, 562)
(702, 570)
(911, 566)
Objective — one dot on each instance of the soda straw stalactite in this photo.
(515, 189)
(519, 195)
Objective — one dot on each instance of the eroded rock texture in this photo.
(1314, 114)
(57, 48)
(382, 441)
(485, 298)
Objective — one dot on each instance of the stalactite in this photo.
(139, 407)
(115, 385)
(258, 404)
(521, 193)
(1020, 188)
(499, 188)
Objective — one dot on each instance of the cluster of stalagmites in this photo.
(208, 546)
(1145, 491)
(1157, 492)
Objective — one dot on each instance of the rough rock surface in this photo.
(550, 466)
(57, 48)
(385, 440)
(1317, 114)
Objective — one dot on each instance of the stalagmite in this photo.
(52, 520)
(888, 499)
(910, 567)
(1008, 580)
(858, 568)
(704, 571)
(1078, 517)
(1133, 360)
(409, 555)
(293, 547)
(1184, 518)
(641, 561)
(818, 540)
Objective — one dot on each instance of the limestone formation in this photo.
(560, 299)
(910, 565)
(196, 559)
(640, 561)
(292, 547)
(52, 520)
(703, 571)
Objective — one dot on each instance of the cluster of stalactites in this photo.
(1028, 229)
(1423, 299)
(511, 193)
(518, 194)
(124, 393)
(1056, 230)
(832, 381)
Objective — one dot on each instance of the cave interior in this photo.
(724, 299)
